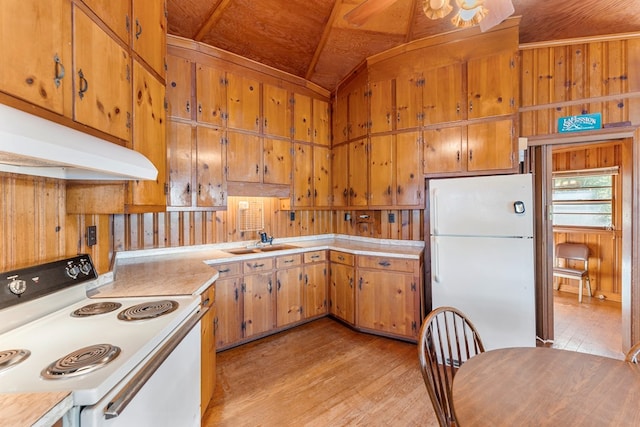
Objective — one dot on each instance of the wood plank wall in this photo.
(578, 77)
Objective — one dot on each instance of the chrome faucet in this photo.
(264, 238)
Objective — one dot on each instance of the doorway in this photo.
(541, 155)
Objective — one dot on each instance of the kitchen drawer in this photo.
(315, 256)
(231, 269)
(387, 263)
(342, 258)
(285, 261)
(260, 264)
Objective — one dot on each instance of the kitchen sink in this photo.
(259, 249)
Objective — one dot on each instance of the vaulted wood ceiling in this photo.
(311, 38)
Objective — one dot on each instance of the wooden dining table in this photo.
(542, 386)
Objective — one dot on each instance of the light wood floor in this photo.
(324, 374)
(591, 327)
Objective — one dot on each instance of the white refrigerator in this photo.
(482, 254)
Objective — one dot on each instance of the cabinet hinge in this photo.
(512, 63)
(222, 81)
(512, 103)
(128, 73)
(413, 287)
(127, 23)
(414, 326)
(293, 130)
(166, 188)
(292, 101)
(368, 93)
(128, 120)
(166, 104)
(420, 82)
(244, 325)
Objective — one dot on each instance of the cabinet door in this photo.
(302, 118)
(490, 145)
(243, 103)
(277, 161)
(321, 176)
(210, 164)
(444, 151)
(382, 170)
(179, 102)
(341, 117)
(358, 111)
(443, 99)
(116, 14)
(340, 175)
(180, 163)
(408, 101)
(277, 111)
(321, 123)
(211, 95)
(103, 80)
(259, 303)
(342, 292)
(315, 289)
(150, 32)
(358, 172)
(409, 189)
(228, 311)
(149, 135)
(207, 349)
(35, 47)
(289, 296)
(387, 302)
(381, 101)
(244, 157)
(303, 175)
(492, 85)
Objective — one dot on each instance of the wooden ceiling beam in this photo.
(323, 40)
(213, 18)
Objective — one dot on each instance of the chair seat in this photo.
(568, 272)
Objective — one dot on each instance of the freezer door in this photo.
(500, 205)
(491, 280)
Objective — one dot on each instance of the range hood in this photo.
(34, 146)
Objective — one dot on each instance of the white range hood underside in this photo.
(34, 146)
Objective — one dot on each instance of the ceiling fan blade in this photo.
(499, 10)
(361, 13)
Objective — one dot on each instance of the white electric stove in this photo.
(54, 338)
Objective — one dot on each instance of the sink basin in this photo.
(275, 248)
(270, 248)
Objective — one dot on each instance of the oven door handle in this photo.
(126, 395)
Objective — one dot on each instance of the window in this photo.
(584, 198)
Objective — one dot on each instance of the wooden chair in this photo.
(633, 353)
(577, 252)
(446, 340)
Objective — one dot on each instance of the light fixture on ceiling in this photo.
(470, 12)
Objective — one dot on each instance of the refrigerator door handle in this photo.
(436, 261)
(434, 210)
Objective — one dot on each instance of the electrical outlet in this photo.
(347, 217)
(292, 216)
(92, 235)
(392, 218)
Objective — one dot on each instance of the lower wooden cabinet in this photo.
(208, 350)
(259, 297)
(228, 324)
(315, 284)
(342, 291)
(289, 296)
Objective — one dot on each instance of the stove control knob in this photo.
(73, 270)
(85, 267)
(17, 286)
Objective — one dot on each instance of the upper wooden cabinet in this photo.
(351, 112)
(197, 160)
(382, 108)
(408, 108)
(149, 32)
(178, 89)
(302, 118)
(243, 102)
(443, 97)
(321, 122)
(211, 95)
(149, 137)
(35, 46)
(492, 85)
(276, 106)
(102, 73)
(255, 159)
(116, 14)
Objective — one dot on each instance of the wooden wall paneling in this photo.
(633, 69)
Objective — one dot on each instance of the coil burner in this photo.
(9, 358)
(96, 308)
(81, 361)
(148, 310)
